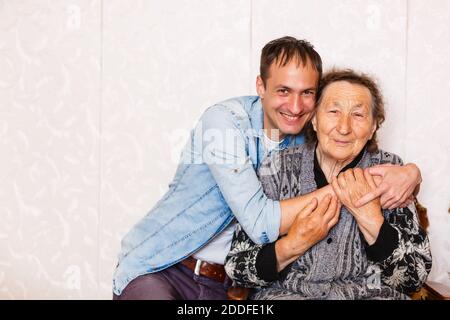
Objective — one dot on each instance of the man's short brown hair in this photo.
(283, 50)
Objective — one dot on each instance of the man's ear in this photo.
(260, 89)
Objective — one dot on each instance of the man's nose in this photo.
(296, 104)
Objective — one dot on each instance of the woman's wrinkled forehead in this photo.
(346, 94)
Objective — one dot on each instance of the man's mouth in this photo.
(290, 117)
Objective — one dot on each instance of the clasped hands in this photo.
(352, 185)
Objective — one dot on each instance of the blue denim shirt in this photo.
(215, 182)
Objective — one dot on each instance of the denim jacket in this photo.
(215, 182)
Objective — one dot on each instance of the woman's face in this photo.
(343, 121)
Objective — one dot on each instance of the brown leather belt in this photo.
(210, 270)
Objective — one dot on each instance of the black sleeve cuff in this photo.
(266, 263)
(386, 243)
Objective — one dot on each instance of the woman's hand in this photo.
(350, 186)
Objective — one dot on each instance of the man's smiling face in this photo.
(288, 97)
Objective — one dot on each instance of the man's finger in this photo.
(394, 205)
(335, 217)
(310, 207)
(384, 200)
(388, 203)
(323, 205)
(397, 202)
(403, 199)
(379, 170)
(407, 202)
(370, 180)
(392, 200)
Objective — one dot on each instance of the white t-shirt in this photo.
(270, 144)
(216, 251)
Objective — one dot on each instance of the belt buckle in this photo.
(198, 264)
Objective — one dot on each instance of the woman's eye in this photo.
(359, 115)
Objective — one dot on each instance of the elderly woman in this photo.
(335, 250)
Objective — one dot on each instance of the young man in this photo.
(178, 249)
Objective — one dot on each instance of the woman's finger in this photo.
(341, 181)
(331, 211)
(349, 176)
(359, 175)
(336, 188)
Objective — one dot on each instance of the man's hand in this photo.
(350, 186)
(397, 186)
(311, 225)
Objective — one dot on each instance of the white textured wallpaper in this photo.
(97, 98)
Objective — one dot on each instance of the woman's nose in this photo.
(344, 125)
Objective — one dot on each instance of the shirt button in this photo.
(329, 240)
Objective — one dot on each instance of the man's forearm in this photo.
(290, 207)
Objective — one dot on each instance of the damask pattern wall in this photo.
(97, 99)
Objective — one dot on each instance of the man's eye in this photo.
(283, 92)
(308, 93)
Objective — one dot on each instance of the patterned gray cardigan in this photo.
(343, 265)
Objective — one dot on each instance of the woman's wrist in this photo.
(370, 228)
(328, 189)
(285, 253)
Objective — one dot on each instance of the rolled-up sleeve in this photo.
(224, 149)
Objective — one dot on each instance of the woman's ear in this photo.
(374, 129)
(314, 121)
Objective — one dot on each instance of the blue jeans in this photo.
(174, 283)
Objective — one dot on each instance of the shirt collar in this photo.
(257, 117)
